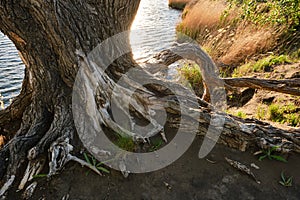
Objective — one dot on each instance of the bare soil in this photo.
(262, 98)
(187, 178)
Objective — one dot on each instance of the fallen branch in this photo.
(287, 86)
(166, 57)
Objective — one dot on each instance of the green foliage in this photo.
(156, 144)
(286, 181)
(287, 113)
(125, 143)
(275, 12)
(241, 114)
(183, 31)
(191, 73)
(280, 113)
(276, 113)
(293, 119)
(270, 154)
(92, 161)
(261, 65)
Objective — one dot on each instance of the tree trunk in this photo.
(55, 38)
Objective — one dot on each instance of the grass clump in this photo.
(276, 113)
(279, 113)
(261, 65)
(191, 73)
(286, 181)
(125, 143)
(270, 154)
(93, 162)
(282, 114)
(241, 114)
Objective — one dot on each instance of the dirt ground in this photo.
(261, 99)
(188, 178)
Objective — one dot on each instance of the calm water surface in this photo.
(11, 70)
(153, 28)
(153, 31)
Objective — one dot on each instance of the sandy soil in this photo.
(188, 178)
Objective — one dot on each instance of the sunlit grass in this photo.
(261, 65)
(280, 113)
(191, 73)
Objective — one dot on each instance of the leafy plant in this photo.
(241, 114)
(191, 72)
(125, 143)
(270, 154)
(286, 181)
(92, 161)
(156, 144)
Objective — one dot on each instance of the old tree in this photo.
(53, 38)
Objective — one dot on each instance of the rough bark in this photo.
(54, 38)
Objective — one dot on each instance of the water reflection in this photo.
(153, 28)
(11, 71)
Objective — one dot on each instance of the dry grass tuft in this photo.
(204, 13)
(227, 40)
(247, 42)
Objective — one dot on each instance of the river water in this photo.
(11, 70)
(153, 31)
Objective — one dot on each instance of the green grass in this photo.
(275, 12)
(241, 114)
(283, 114)
(40, 176)
(125, 143)
(270, 154)
(286, 181)
(191, 73)
(92, 161)
(280, 113)
(261, 65)
(276, 113)
(156, 144)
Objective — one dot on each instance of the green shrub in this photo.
(275, 12)
(191, 73)
(261, 65)
(241, 114)
(283, 114)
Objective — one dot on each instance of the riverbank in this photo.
(248, 46)
(234, 33)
